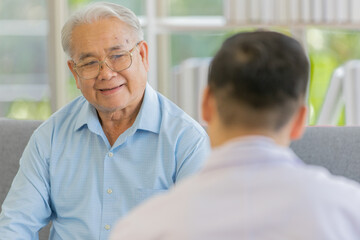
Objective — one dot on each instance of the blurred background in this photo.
(183, 35)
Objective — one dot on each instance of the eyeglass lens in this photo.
(116, 61)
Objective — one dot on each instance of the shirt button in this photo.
(109, 191)
(107, 227)
(111, 154)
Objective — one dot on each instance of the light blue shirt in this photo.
(70, 174)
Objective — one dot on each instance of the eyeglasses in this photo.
(117, 61)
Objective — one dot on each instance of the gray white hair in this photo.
(95, 12)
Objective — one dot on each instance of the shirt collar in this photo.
(87, 116)
(250, 150)
(149, 117)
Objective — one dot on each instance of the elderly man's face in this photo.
(110, 91)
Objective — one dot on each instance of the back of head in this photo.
(95, 12)
(259, 79)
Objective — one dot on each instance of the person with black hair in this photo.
(253, 186)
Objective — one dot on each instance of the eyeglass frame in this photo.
(130, 52)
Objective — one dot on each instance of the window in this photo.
(328, 49)
(24, 85)
(176, 31)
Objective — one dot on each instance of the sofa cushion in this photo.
(14, 135)
(335, 148)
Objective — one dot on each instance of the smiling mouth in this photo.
(109, 89)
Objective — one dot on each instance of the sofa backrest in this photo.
(336, 148)
(14, 135)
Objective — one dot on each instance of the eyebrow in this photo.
(86, 55)
(117, 47)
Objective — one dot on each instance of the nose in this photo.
(105, 73)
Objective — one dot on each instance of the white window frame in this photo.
(259, 14)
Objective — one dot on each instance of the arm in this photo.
(192, 150)
(26, 208)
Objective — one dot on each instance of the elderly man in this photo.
(108, 150)
(253, 186)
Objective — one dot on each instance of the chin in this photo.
(112, 108)
(107, 108)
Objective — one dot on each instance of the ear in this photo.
(207, 106)
(299, 123)
(144, 53)
(71, 66)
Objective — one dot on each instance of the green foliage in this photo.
(137, 6)
(328, 49)
(322, 65)
(190, 45)
(73, 3)
(72, 91)
(191, 7)
(24, 109)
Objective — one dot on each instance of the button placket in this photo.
(108, 202)
(109, 190)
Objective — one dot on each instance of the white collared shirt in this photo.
(252, 189)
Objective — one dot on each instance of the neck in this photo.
(223, 135)
(117, 122)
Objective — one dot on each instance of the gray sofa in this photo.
(336, 148)
(14, 135)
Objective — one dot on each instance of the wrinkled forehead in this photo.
(100, 37)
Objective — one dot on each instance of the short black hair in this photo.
(265, 73)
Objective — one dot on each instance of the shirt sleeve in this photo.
(26, 208)
(193, 148)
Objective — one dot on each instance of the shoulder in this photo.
(319, 187)
(174, 118)
(323, 179)
(63, 118)
(329, 202)
(186, 135)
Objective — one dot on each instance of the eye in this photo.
(116, 56)
(89, 64)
